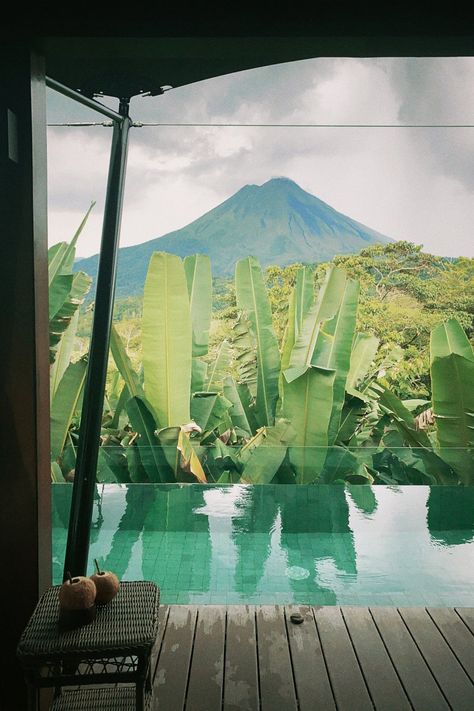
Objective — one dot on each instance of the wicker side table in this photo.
(115, 648)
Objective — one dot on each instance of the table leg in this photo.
(139, 695)
(32, 698)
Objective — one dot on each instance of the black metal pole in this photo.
(77, 549)
(81, 99)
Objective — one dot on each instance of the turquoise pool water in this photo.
(323, 545)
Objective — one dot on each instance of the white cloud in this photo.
(411, 184)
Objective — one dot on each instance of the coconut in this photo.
(77, 593)
(106, 583)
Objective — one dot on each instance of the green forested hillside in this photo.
(278, 223)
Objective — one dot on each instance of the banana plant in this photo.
(452, 382)
(67, 291)
(253, 300)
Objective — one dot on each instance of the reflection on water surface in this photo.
(279, 544)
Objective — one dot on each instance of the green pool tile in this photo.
(351, 559)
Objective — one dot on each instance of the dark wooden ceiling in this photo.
(122, 52)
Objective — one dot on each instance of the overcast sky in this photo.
(407, 183)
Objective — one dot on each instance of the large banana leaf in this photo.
(452, 383)
(341, 465)
(264, 453)
(301, 300)
(151, 452)
(64, 352)
(199, 370)
(124, 365)
(308, 406)
(199, 282)
(244, 352)
(62, 317)
(189, 460)
(61, 256)
(58, 293)
(304, 295)
(167, 340)
(325, 307)
(217, 370)
(120, 406)
(252, 298)
(333, 350)
(363, 353)
(403, 420)
(237, 412)
(211, 411)
(65, 403)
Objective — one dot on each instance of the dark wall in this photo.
(25, 529)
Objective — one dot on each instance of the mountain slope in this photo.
(277, 222)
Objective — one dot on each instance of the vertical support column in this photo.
(25, 515)
(89, 437)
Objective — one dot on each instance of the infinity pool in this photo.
(323, 545)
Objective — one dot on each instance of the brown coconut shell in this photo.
(78, 593)
(107, 585)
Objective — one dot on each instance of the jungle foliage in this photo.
(300, 375)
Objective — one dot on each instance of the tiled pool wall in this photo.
(324, 544)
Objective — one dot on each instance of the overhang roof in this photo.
(126, 66)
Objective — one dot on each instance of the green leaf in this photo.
(120, 406)
(265, 452)
(65, 403)
(237, 411)
(151, 453)
(199, 282)
(452, 381)
(61, 256)
(167, 340)
(304, 296)
(343, 465)
(217, 370)
(137, 471)
(253, 299)
(64, 353)
(198, 375)
(115, 458)
(403, 420)
(363, 353)
(58, 293)
(169, 438)
(325, 308)
(56, 473)
(308, 405)
(124, 365)
(333, 350)
(62, 318)
(211, 411)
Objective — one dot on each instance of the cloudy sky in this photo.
(407, 183)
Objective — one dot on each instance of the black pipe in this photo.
(80, 518)
(81, 99)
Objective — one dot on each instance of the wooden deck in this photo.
(246, 658)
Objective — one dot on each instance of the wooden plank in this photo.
(417, 680)
(451, 677)
(380, 676)
(347, 682)
(207, 664)
(162, 622)
(277, 690)
(171, 677)
(309, 669)
(457, 635)
(467, 616)
(241, 670)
